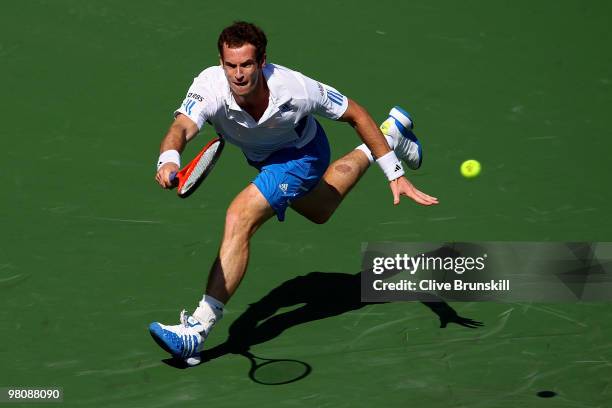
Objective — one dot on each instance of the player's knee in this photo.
(237, 223)
(320, 220)
(321, 217)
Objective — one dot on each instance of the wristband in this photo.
(169, 156)
(390, 165)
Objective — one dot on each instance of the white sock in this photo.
(367, 151)
(208, 312)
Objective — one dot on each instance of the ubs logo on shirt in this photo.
(195, 96)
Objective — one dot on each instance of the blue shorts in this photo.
(291, 173)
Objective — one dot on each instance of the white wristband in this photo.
(390, 165)
(169, 156)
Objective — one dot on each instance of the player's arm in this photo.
(181, 131)
(371, 135)
(356, 116)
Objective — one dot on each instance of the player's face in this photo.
(241, 69)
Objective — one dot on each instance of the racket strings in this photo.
(200, 167)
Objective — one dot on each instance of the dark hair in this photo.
(241, 33)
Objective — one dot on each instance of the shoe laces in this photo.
(186, 326)
(183, 328)
(184, 318)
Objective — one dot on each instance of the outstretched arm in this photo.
(359, 118)
(371, 135)
(181, 131)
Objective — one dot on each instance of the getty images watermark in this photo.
(487, 271)
(426, 263)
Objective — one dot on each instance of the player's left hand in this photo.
(401, 186)
(461, 321)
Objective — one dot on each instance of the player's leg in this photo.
(245, 215)
(249, 210)
(340, 177)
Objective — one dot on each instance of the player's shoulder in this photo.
(282, 73)
(283, 77)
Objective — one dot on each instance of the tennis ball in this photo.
(470, 168)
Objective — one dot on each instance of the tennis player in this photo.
(268, 111)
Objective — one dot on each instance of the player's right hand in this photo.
(163, 175)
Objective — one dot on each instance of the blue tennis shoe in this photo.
(184, 341)
(407, 147)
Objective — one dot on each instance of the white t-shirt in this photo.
(287, 122)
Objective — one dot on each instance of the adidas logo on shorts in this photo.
(283, 187)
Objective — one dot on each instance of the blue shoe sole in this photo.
(158, 334)
(403, 111)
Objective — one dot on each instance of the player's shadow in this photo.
(318, 295)
(322, 295)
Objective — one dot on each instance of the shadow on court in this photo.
(321, 295)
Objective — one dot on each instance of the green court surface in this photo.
(92, 250)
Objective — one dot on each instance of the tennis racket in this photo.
(189, 178)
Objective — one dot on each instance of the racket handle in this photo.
(173, 179)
